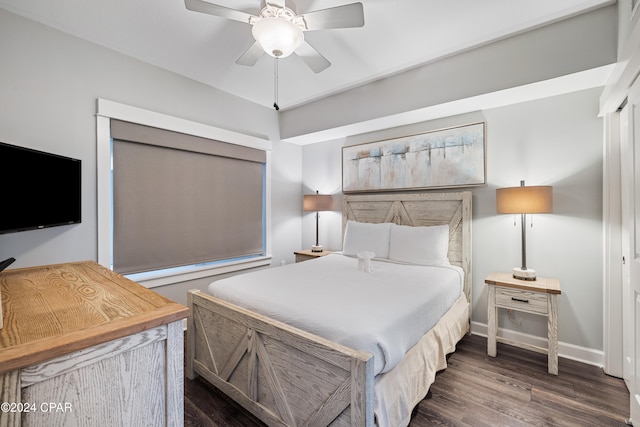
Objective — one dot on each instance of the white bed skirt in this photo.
(398, 391)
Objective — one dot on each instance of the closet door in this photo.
(630, 188)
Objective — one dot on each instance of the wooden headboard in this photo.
(420, 209)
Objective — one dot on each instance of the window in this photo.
(179, 203)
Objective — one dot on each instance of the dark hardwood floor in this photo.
(513, 389)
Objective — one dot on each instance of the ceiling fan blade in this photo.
(347, 16)
(217, 10)
(278, 3)
(312, 57)
(251, 55)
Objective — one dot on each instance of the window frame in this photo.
(107, 110)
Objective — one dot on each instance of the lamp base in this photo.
(524, 274)
(317, 248)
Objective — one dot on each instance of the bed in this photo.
(298, 375)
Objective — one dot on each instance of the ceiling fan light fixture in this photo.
(279, 37)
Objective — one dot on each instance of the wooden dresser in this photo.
(83, 346)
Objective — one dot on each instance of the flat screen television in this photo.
(38, 189)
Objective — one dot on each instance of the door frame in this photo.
(613, 354)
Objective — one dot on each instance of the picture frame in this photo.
(444, 158)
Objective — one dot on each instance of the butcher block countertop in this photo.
(53, 310)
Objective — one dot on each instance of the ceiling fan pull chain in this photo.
(275, 84)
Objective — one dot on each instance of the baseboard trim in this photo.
(566, 350)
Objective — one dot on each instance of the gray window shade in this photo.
(182, 200)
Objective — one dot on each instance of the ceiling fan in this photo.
(279, 30)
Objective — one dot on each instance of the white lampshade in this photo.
(278, 37)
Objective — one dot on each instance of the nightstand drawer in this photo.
(534, 302)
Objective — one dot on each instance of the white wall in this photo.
(49, 83)
(555, 141)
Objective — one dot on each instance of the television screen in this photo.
(38, 189)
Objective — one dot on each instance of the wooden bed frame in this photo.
(288, 377)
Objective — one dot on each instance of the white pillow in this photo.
(363, 236)
(419, 245)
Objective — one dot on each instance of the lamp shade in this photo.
(317, 202)
(278, 37)
(524, 200)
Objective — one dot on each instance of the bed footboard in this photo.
(281, 374)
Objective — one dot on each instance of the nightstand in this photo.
(307, 254)
(531, 296)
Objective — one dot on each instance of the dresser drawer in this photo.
(517, 299)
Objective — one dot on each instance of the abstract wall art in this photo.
(452, 157)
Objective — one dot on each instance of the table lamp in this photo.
(317, 202)
(524, 200)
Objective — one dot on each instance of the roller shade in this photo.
(182, 200)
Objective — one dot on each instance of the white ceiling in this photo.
(397, 35)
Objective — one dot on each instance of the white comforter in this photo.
(384, 312)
